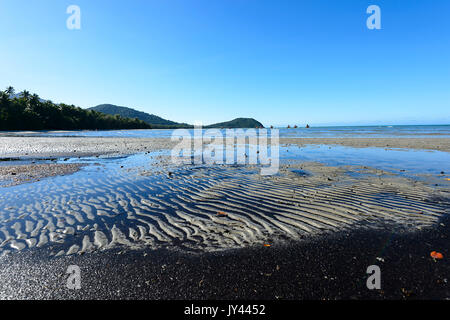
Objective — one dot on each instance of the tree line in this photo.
(28, 112)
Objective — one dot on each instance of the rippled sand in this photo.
(207, 208)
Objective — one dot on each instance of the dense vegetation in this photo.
(28, 112)
(25, 111)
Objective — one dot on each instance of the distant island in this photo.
(238, 123)
(26, 111)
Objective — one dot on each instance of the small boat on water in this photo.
(307, 126)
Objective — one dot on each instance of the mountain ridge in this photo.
(132, 113)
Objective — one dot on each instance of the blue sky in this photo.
(281, 62)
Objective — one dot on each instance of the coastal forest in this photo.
(26, 111)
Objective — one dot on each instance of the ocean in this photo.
(396, 131)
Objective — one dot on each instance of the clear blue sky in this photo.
(278, 61)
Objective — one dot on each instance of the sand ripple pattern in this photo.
(200, 208)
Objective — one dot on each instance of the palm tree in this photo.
(26, 95)
(9, 91)
(4, 96)
(34, 99)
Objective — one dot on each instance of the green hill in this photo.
(132, 113)
(237, 123)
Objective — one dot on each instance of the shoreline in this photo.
(45, 147)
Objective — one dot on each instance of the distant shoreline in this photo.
(76, 146)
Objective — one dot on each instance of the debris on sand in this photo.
(436, 255)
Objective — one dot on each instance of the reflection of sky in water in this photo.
(414, 161)
(441, 131)
(109, 180)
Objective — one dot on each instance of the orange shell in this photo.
(436, 255)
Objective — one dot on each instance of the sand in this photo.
(207, 209)
(318, 219)
(331, 267)
(31, 147)
(437, 144)
(89, 146)
(11, 175)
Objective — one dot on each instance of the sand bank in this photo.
(439, 144)
(16, 174)
(89, 146)
(77, 146)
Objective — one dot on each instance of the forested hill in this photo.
(132, 113)
(28, 112)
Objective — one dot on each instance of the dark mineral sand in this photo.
(330, 267)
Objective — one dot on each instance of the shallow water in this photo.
(396, 160)
(143, 201)
(406, 131)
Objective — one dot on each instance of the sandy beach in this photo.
(108, 201)
(92, 146)
(330, 267)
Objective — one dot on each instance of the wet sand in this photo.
(439, 144)
(219, 232)
(29, 147)
(331, 267)
(11, 175)
(205, 209)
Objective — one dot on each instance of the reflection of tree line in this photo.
(28, 112)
